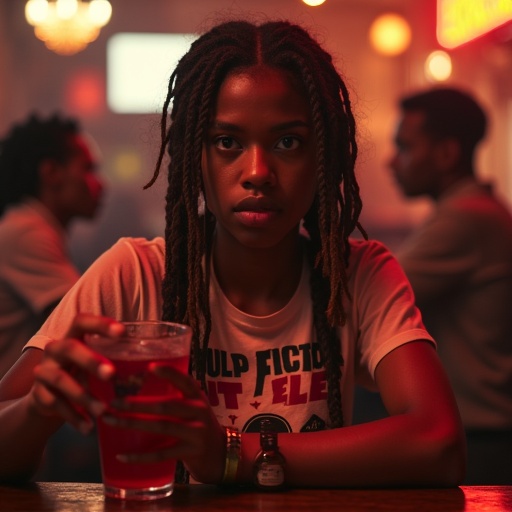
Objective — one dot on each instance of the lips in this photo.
(257, 205)
(256, 211)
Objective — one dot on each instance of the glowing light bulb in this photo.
(438, 66)
(313, 3)
(36, 11)
(100, 12)
(390, 34)
(66, 9)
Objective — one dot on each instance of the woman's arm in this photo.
(40, 392)
(421, 443)
(23, 431)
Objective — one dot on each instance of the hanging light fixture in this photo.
(67, 26)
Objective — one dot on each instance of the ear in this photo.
(447, 154)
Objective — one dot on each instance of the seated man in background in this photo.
(460, 266)
(47, 178)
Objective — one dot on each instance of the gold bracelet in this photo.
(233, 455)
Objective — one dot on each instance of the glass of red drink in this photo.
(132, 354)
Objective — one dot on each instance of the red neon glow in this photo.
(460, 21)
(85, 93)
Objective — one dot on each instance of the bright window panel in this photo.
(139, 67)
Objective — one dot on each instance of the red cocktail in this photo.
(145, 343)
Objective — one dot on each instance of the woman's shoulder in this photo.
(129, 253)
(372, 261)
(362, 251)
(141, 247)
(140, 244)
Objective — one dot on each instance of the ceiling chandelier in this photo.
(67, 26)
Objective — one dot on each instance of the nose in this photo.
(257, 169)
(96, 186)
(392, 161)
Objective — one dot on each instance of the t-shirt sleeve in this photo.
(383, 308)
(36, 266)
(124, 284)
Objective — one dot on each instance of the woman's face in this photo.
(258, 162)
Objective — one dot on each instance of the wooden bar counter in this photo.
(86, 497)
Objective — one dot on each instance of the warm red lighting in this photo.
(460, 21)
(85, 93)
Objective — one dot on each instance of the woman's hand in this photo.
(200, 440)
(58, 388)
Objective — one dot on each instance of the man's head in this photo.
(436, 138)
(51, 160)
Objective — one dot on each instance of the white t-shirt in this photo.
(260, 366)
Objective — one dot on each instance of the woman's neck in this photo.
(258, 281)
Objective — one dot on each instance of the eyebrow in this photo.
(222, 125)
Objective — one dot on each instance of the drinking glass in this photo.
(132, 354)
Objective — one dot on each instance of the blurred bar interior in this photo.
(384, 47)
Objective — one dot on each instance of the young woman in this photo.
(288, 311)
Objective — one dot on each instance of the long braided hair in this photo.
(193, 89)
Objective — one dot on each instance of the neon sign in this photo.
(460, 21)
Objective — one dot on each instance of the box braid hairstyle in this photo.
(25, 147)
(193, 88)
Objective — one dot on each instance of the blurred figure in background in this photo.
(460, 266)
(47, 178)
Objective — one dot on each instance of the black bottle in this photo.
(269, 464)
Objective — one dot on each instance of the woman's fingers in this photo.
(47, 402)
(185, 417)
(187, 431)
(186, 421)
(189, 423)
(60, 387)
(54, 378)
(185, 383)
(176, 408)
(85, 323)
(57, 392)
(186, 439)
(73, 355)
(72, 350)
(198, 444)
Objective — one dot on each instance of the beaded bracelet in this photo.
(233, 455)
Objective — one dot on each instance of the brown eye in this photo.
(226, 143)
(288, 143)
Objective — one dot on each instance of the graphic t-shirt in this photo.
(260, 366)
(266, 366)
